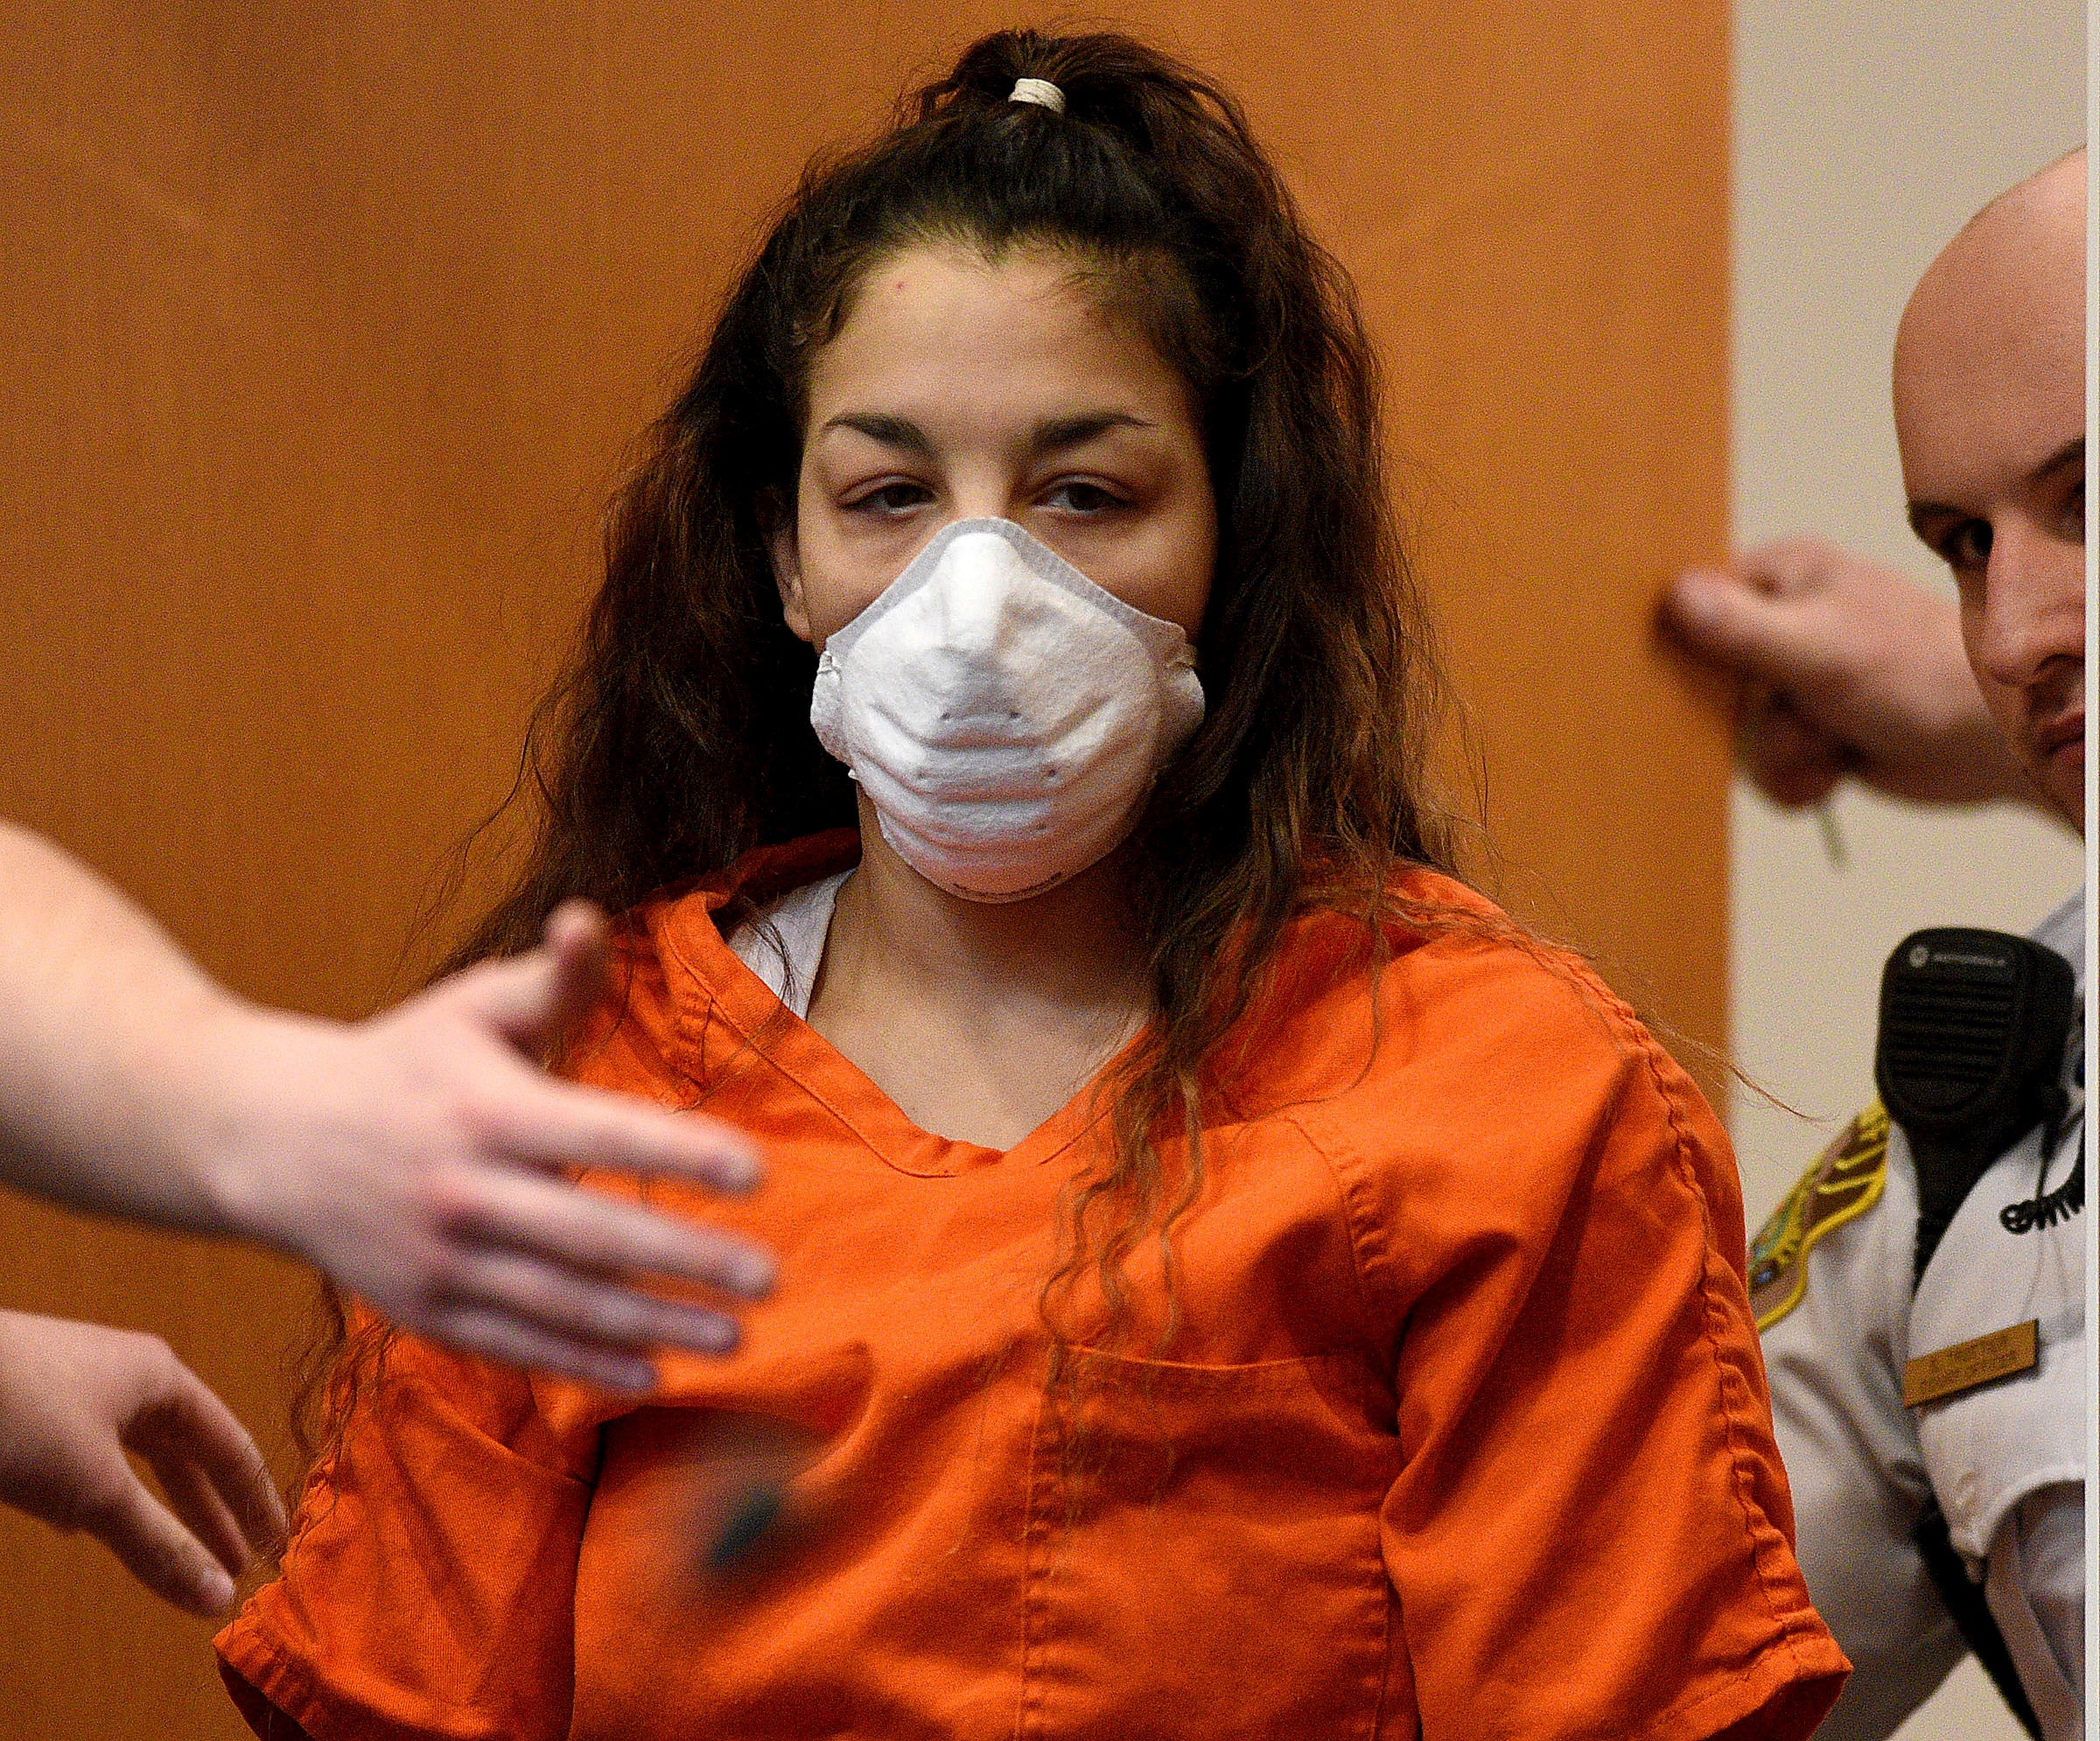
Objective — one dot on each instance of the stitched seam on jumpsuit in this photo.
(1787, 1627)
(1029, 1697)
(1345, 1190)
(317, 1712)
(1628, 1028)
(1625, 1028)
(1346, 1193)
(1385, 1680)
(290, 1683)
(712, 1008)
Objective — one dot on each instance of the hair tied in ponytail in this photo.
(1039, 91)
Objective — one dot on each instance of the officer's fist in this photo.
(1847, 668)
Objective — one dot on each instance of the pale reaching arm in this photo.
(1848, 667)
(416, 1156)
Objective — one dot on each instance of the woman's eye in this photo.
(1076, 497)
(889, 498)
(2073, 509)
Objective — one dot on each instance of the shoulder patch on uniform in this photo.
(1843, 1181)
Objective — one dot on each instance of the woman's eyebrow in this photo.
(891, 431)
(1047, 436)
(1055, 433)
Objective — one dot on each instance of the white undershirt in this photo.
(785, 945)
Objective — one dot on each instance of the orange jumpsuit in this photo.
(1463, 1430)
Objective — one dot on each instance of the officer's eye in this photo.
(2073, 516)
(1965, 546)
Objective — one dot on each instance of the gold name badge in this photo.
(1969, 1364)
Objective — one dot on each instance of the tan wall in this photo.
(325, 328)
(1866, 134)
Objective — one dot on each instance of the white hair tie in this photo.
(1038, 90)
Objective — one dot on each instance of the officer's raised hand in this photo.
(1848, 667)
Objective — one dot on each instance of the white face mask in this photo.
(1005, 716)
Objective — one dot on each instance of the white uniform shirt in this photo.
(2006, 1461)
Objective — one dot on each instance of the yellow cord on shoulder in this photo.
(1856, 1164)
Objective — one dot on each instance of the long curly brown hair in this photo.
(679, 738)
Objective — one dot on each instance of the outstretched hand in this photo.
(420, 1158)
(74, 1398)
(1848, 667)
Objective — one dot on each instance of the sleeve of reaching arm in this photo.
(1591, 1534)
(428, 1589)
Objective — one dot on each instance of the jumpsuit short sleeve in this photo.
(1590, 1534)
(431, 1571)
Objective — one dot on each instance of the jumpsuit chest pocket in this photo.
(1202, 1550)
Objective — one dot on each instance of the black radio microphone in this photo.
(1971, 1050)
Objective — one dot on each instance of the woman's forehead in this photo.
(941, 328)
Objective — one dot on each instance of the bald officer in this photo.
(1956, 1520)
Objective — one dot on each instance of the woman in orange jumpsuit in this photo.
(1232, 1283)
